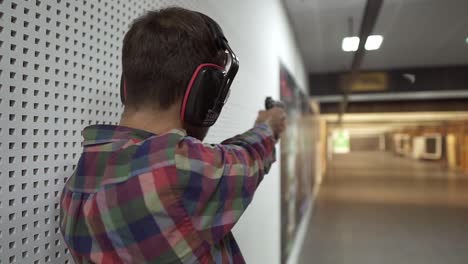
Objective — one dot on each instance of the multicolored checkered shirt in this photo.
(137, 197)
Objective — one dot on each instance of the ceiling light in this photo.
(350, 44)
(373, 42)
(466, 40)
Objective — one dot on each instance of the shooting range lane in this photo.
(375, 207)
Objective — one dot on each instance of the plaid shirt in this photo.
(137, 197)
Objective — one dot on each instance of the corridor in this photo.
(378, 208)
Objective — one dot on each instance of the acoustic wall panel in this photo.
(59, 72)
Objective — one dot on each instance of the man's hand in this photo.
(275, 118)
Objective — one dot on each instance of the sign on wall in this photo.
(365, 82)
(341, 141)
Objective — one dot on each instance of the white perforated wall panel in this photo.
(59, 72)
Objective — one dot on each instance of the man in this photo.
(148, 190)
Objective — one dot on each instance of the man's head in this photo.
(161, 51)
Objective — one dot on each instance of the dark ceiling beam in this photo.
(371, 14)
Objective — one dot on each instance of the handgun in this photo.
(270, 103)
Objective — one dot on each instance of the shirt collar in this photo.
(101, 134)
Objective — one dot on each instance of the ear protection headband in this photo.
(209, 87)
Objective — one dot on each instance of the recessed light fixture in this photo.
(350, 44)
(373, 42)
(466, 40)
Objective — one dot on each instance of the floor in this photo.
(377, 208)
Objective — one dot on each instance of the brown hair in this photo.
(160, 53)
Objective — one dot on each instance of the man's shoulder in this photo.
(114, 162)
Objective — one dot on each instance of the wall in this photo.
(260, 33)
(59, 72)
(438, 80)
(365, 143)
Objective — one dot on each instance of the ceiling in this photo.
(417, 33)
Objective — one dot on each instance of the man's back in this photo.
(144, 191)
(137, 197)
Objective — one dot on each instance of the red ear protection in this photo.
(198, 105)
(123, 89)
(210, 84)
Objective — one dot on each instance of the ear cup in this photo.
(200, 105)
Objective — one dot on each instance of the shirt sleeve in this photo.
(219, 181)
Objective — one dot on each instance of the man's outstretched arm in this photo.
(219, 181)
